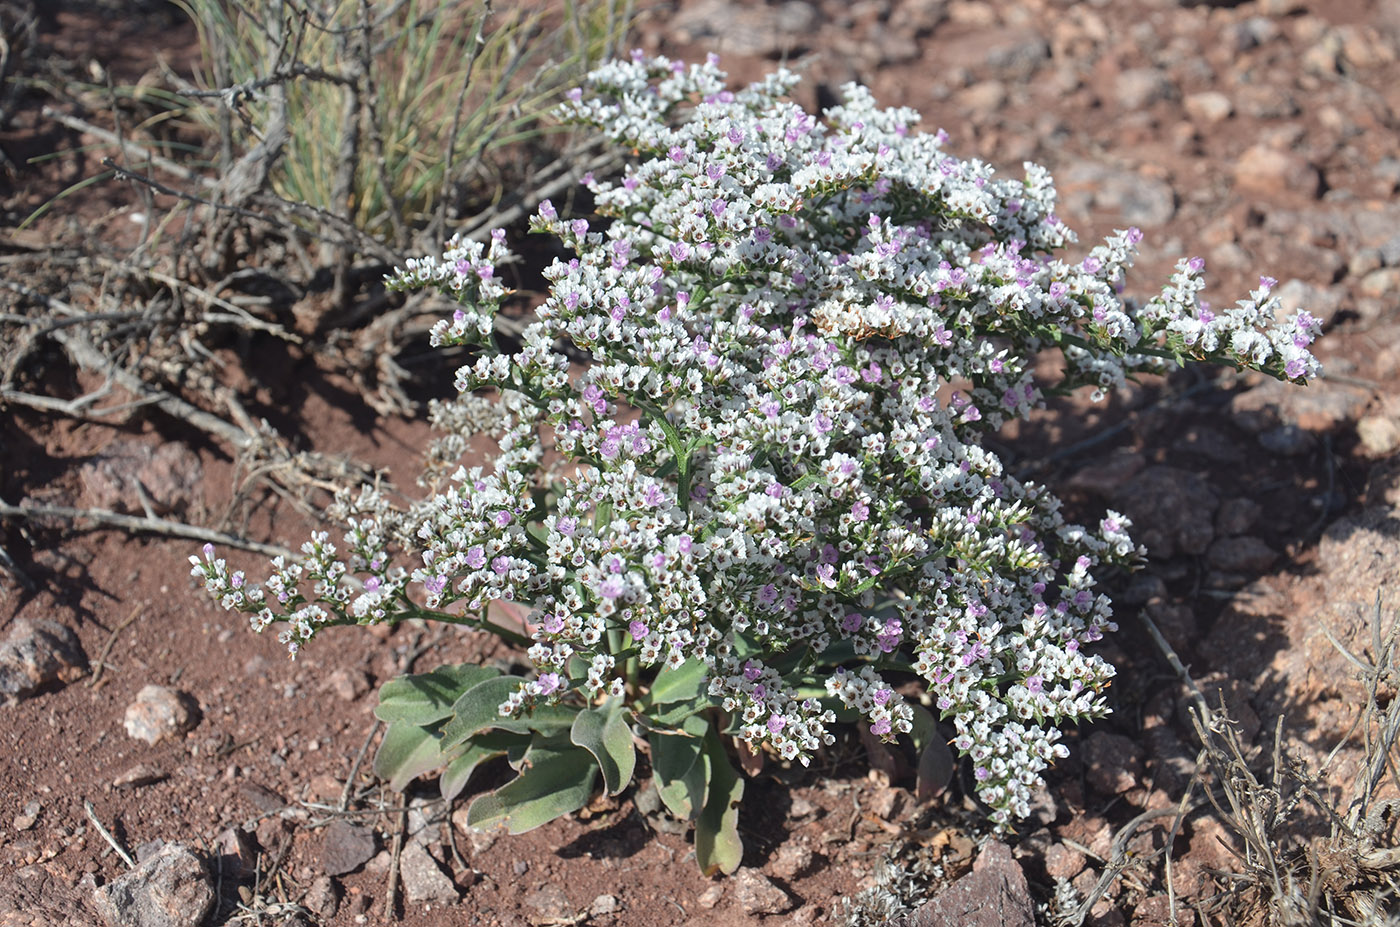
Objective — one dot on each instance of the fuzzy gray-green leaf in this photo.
(428, 697)
(717, 844)
(559, 784)
(603, 732)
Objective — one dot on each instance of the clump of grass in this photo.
(1305, 857)
(386, 112)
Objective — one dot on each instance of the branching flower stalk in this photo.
(799, 331)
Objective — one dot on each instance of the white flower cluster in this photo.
(798, 331)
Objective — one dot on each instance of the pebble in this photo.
(1171, 509)
(742, 31)
(710, 897)
(1379, 434)
(1139, 88)
(160, 713)
(1287, 440)
(983, 97)
(993, 894)
(791, 861)
(1270, 172)
(1236, 515)
(37, 653)
(345, 847)
(141, 774)
(1113, 763)
(550, 902)
(1241, 555)
(1136, 199)
(1381, 284)
(26, 818)
(169, 889)
(130, 474)
(1210, 107)
(322, 897)
(237, 856)
(347, 685)
(1062, 862)
(603, 905)
(758, 895)
(423, 881)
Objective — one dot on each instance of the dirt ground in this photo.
(1260, 135)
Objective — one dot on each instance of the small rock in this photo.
(35, 654)
(1236, 516)
(1287, 440)
(745, 31)
(1322, 302)
(237, 856)
(169, 889)
(993, 894)
(710, 897)
(1158, 911)
(423, 881)
(1172, 508)
(159, 713)
(1019, 54)
(1209, 107)
(26, 818)
(1240, 555)
(425, 820)
(1113, 763)
(1267, 171)
(129, 473)
(347, 685)
(758, 895)
(345, 847)
(1139, 88)
(1132, 197)
(1364, 261)
(262, 798)
(791, 861)
(550, 902)
(521, 867)
(1379, 284)
(1379, 434)
(1062, 862)
(602, 906)
(984, 96)
(322, 897)
(139, 775)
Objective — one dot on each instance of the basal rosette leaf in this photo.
(556, 779)
(407, 752)
(604, 732)
(478, 750)
(682, 775)
(718, 847)
(479, 709)
(424, 698)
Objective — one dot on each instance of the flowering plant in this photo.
(766, 483)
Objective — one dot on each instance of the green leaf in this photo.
(603, 732)
(478, 709)
(682, 684)
(682, 777)
(672, 716)
(717, 844)
(936, 762)
(428, 697)
(559, 783)
(406, 752)
(479, 749)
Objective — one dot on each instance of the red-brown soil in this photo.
(1112, 97)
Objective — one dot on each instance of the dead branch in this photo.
(164, 527)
